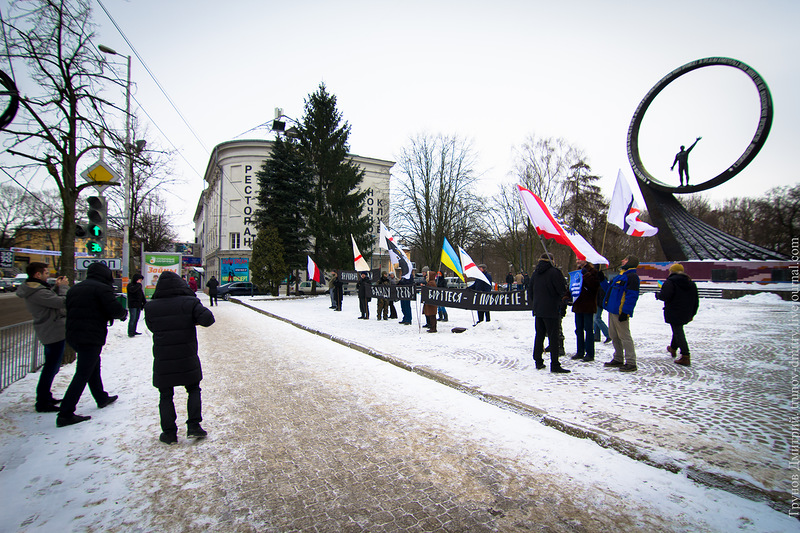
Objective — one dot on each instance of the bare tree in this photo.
(543, 164)
(15, 211)
(62, 115)
(435, 194)
(156, 233)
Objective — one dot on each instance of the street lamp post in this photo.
(126, 225)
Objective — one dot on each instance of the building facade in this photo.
(224, 218)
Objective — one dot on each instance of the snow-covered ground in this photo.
(729, 415)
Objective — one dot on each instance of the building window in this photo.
(235, 240)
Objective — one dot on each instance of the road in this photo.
(12, 310)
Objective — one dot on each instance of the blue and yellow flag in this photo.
(450, 259)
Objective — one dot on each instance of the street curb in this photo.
(779, 501)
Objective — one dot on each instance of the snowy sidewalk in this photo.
(727, 420)
(308, 435)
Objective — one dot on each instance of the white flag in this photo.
(624, 210)
(358, 259)
(469, 267)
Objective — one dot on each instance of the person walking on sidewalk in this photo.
(172, 314)
(135, 303)
(679, 294)
(547, 291)
(91, 305)
(212, 285)
(621, 296)
(584, 308)
(49, 310)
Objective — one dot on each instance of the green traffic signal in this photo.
(95, 231)
(94, 247)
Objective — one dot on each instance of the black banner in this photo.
(479, 301)
(352, 276)
(394, 292)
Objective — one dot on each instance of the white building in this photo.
(223, 220)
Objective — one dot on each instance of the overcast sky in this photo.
(491, 72)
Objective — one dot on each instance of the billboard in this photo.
(154, 264)
(234, 269)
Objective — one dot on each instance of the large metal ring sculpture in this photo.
(13, 104)
(760, 137)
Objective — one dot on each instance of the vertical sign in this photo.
(156, 263)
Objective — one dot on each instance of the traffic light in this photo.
(96, 228)
(80, 231)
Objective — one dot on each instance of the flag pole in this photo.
(603, 247)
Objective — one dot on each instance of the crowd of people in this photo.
(79, 316)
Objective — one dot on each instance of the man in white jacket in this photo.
(48, 307)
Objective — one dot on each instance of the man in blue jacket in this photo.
(621, 296)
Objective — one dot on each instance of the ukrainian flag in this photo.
(450, 259)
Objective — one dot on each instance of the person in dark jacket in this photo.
(212, 285)
(364, 295)
(48, 308)
(547, 291)
(172, 314)
(584, 308)
(338, 290)
(679, 294)
(481, 286)
(405, 305)
(91, 305)
(135, 303)
(622, 293)
(383, 303)
(441, 311)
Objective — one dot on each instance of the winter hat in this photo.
(676, 268)
(633, 262)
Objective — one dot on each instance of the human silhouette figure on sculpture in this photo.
(682, 160)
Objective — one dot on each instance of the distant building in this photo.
(223, 220)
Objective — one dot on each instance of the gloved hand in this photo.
(623, 317)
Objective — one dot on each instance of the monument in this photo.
(682, 236)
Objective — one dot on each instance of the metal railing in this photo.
(19, 353)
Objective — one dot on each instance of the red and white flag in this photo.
(313, 270)
(470, 269)
(624, 210)
(360, 264)
(546, 224)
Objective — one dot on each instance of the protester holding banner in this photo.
(383, 303)
(547, 292)
(584, 308)
(430, 310)
(405, 305)
(364, 295)
(482, 286)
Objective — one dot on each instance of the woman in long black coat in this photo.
(679, 294)
(172, 314)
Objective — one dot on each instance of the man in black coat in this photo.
(91, 304)
(481, 286)
(364, 287)
(172, 314)
(212, 285)
(135, 303)
(547, 291)
(679, 294)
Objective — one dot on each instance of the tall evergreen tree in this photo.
(338, 205)
(285, 183)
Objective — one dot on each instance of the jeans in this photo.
(87, 371)
(599, 325)
(585, 333)
(53, 354)
(405, 308)
(133, 319)
(166, 407)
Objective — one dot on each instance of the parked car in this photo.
(238, 288)
(455, 283)
(5, 285)
(18, 280)
(305, 288)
